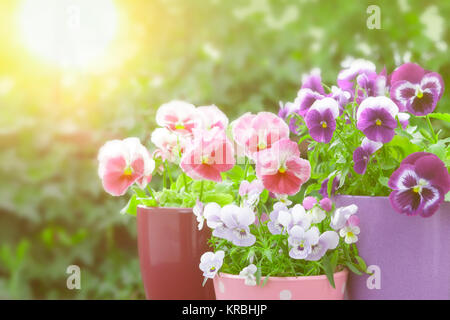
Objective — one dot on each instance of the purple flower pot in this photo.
(412, 253)
(170, 246)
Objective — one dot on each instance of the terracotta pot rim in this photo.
(167, 210)
(339, 274)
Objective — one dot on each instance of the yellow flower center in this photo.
(350, 234)
(324, 124)
(378, 122)
(205, 160)
(128, 171)
(179, 126)
(262, 146)
(416, 189)
(282, 170)
(419, 94)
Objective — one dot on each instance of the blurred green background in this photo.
(244, 55)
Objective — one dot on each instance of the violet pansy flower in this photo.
(237, 220)
(321, 119)
(348, 75)
(212, 214)
(327, 241)
(376, 118)
(415, 89)
(419, 185)
(198, 212)
(301, 241)
(361, 155)
(324, 186)
(210, 263)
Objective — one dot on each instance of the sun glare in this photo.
(69, 33)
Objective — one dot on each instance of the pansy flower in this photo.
(327, 241)
(254, 133)
(361, 155)
(281, 169)
(210, 263)
(301, 241)
(123, 163)
(212, 213)
(371, 84)
(199, 214)
(376, 118)
(341, 215)
(347, 76)
(321, 119)
(419, 185)
(324, 186)
(248, 274)
(210, 154)
(275, 224)
(212, 117)
(170, 144)
(237, 220)
(349, 233)
(178, 116)
(415, 89)
(250, 192)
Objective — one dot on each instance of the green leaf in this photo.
(441, 116)
(220, 198)
(264, 196)
(131, 206)
(352, 267)
(235, 174)
(361, 263)
(383, 181)
(447, 197)
(268, 254)
(329, 272)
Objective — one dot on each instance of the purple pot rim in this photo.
(339, 274)
(165, 210)
(361, 197)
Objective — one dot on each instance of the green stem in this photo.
(166, 166)
(151, 192)
(201, 190)
(435, 138)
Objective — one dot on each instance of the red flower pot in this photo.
(170, 246)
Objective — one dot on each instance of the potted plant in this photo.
(169, 243)
(371, 142)
(287, 252)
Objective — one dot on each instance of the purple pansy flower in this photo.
(301, 241)
(326, 204)
(361, 155)
(419, 185)
(321, 119)
(415, 89)
(313, 81)
(355, 68)
(371, 84)
(327, 241)
(237, 220)
(324, 186)
(376, 118)
(342, 97)
(212, 214)
(341, 215)
(305, 99)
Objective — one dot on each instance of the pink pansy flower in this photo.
(309, 202)
(210, 154)
(178, 116)
(254, 133)
(281, 169)
(170, 144)
(212, 117)
(122, 163)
